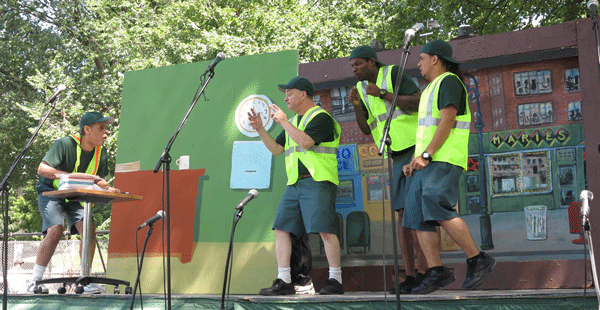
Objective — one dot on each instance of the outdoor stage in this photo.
(443, 299)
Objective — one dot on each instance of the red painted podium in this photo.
(88, 197)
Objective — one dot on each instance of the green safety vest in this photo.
(94, 163)
(320, 160)
(455, 149)
(403, 127)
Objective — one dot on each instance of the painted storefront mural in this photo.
(534, 164)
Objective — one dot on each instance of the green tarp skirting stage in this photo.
(351, 301)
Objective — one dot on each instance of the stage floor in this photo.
(444, 299)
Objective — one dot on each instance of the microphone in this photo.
(213, 64)
(592, 5)
(585, 196)
(409, 34)
(159, 216)
(58, 90)
(251, 195)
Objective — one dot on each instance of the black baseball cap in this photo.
(299, 83)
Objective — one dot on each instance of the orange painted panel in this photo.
(127, 216)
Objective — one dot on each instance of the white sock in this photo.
(336, 273)
(285, 274)
(38, 272)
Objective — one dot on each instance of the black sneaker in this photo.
(408, 281)
(332, 287)
(478, 268)
(279, 287)
(433, 279)
(408, 284)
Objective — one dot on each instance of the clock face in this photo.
(260, 104)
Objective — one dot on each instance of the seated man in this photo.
(77, 153)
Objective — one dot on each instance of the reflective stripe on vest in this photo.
(455, 149)
(404, 125)
(320, 160)
(92, 168)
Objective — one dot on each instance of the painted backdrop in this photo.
(204, 197)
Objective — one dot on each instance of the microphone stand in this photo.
(237, 217)
(137, 280)
(165, 160)
(386, 141)
(4, 187)
(585, 195)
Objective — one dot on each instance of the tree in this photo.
(88, 45)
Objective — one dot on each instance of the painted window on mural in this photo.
(472, 183)
(495, 85)
(374, 187)
(473, 204)
(505, 173)
(536, 113)
(524, 172)
(343, 109)
(532, 82)
(536, 172)
(574, 110)
(568, 195)
(567, 175)
(317, 100)
(572, 79)
(497, 96)
(566, 154)
(346, 190)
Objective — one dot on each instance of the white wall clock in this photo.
(260, 104)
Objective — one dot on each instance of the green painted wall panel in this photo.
(154, 104)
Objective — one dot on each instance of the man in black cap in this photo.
(77, 153)
(372, 99)
(309, 141)
(441, 155)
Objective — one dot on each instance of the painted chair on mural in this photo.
(575, 221)
(339, 233)
(358, 231)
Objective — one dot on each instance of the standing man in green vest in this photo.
(441, 155)
(309, 141)
(372, 99)
(77, 153)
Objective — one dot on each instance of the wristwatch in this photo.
(426, 156)
(382, 93)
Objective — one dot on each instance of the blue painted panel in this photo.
(347, 158)
(250, 165)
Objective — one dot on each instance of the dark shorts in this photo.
(432, 196)
(307, 206)
(401, 182)
(54, 211)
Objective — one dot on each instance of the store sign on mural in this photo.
(525, 138)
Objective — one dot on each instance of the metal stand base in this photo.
(84, 277)
(83, 281)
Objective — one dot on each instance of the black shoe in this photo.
(478, 268)
(433, 279)
(332, 287)
(408, 282)
(279, 287)
(406, 286)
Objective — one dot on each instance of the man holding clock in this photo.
(309, 141)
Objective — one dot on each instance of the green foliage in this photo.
(88, 45)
